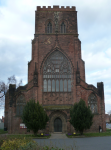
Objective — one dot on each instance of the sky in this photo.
(17, 27)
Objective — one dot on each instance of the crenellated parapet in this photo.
(56, 8)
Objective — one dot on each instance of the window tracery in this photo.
(57, 73)
(63, 28)
(20, 105)
(92, 103)
(49, 28)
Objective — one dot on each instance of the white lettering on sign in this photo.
(22, 126)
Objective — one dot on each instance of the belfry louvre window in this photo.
(49, 28)
(57, 73)
(20, 105)
(63, 28)
(92, 103)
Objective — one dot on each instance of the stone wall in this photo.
(43, 45)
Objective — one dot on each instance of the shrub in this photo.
(81, 116)
(37, 117)
(23, 144)
(18, 144)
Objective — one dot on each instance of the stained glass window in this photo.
(57, 73)
(92, 102)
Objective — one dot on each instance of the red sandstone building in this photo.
(56, 75)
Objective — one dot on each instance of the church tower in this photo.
(56, 72)
(56, 51)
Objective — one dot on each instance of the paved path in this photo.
(91, 143)
(58, 136)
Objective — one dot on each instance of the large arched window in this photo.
(49, 28)
(57, 73)
(20, 103)
(63, 28)
(92, 102)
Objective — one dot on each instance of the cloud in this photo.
(108, 52)
(97, 61)
(17, 27)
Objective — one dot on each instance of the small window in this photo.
(69, 85)
(49, 28)
(61, 85)
(56, 70)
(65, 70)
(65, 85)
(53, 85)
(92, 102)
(20, 105)
(45, 85)
(63, 28)
(48, 70)
(49, 85)
(57, 85)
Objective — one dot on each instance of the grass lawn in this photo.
(24, 135)
(2, 131)
(29, 136)
(108, 130)
(107, 133)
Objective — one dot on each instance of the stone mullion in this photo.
(63, 84)
(47, 84)
(55, 84)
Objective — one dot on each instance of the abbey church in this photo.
(56, 75)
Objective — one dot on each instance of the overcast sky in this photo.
(17, 26)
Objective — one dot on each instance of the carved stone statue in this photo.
(56, 16)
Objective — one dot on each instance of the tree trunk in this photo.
(81, 132)
(35, 133)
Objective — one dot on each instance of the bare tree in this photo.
(4, 87)
(109, 112)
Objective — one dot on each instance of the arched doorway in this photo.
(57, 125)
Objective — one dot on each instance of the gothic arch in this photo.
(62, 116)
(92, 103)
(66, 25)
(63, 28)
(46, 23)
(51, 52)
(57, 73)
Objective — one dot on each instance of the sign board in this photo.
(22, 126)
